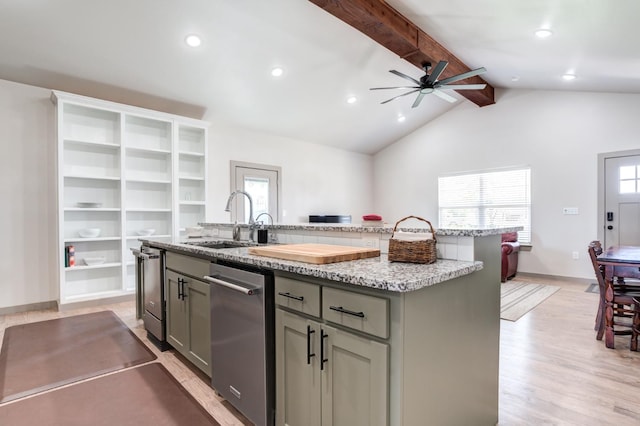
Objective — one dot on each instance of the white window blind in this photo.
(487, 200)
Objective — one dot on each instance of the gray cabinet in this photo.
(326, 375)
(188, 310)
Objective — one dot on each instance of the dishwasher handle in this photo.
(140, 255)
(144, 256)
(235, 287)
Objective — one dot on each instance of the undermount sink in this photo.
(221, 244)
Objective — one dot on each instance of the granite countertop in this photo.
(386, 229)
(376, 273)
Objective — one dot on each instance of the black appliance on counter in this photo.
(314, 218)
(150, 298)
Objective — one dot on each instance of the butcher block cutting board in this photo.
(315, 253)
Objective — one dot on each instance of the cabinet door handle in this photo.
(346, 311)
(309, 354)
(291, 296)
(322, 358)
(180, 288)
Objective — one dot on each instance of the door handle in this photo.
(610, 227)
(309, 354)
(347, 311)
(323, 335)
(291, 296)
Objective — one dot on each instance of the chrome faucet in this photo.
(251, 221)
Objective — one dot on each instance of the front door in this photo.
(622, 201)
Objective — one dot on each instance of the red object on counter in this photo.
(371, 217)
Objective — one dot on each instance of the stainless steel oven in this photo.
(242, 339)
(150, 299)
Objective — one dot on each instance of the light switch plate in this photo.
(570, 210)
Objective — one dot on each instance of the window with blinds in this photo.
(487, 200)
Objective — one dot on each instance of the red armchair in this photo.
(510, 250)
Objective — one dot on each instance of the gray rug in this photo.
(144, 395)
(518, 297)
(43, 355)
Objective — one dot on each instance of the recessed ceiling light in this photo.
(352, 100)
(568, 77)
(277, 72)
(515, 78)
(193, 40)
(543, 33)
(401, 118)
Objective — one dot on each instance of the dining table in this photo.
(619, 262)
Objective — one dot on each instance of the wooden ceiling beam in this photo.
(388, 27)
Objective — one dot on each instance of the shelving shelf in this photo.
(85, 267)
(127, 161)
(91, 143)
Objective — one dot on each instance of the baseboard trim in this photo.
(586, 281)
(96, 302)
(40, 306)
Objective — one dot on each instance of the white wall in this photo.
(27, 194)
(558, 134)
(315, 179)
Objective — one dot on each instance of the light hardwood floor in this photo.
(552, 370)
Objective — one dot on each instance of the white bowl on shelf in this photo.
(92, 261)
(146, 232)
(88, 205)
(89, 232)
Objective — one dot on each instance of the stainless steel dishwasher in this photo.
(242, 339)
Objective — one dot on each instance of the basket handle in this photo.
(433, 232)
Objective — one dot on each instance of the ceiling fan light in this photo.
(277, 72)
(401, 118)
(569, 77)
(543, 33)
(352, 100)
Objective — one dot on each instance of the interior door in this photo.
(262, 183)
(622, 201)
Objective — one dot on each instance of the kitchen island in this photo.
(425, 351)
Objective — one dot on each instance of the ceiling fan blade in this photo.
(398, 87)
(399, 96)
(418, 100)
(464, 75)
(399, 74)
(437, 71)
(462, 86)
(444, 96)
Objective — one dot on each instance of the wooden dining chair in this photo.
(635, 328)
(623, 293)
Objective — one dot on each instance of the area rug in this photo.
(42, 355)
(144, 395)
(518, 297)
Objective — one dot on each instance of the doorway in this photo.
(261, 181)
(619, 198)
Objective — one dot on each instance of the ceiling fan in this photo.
(429, 83)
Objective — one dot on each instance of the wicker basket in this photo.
(422, 251)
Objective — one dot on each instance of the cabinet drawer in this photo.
(298, 295)
(368, 314)
(188, 265)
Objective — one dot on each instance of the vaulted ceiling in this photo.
(134, 52)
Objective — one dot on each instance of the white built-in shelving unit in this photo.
(122, 169)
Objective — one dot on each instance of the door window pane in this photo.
(629, 176)
(258, 188)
